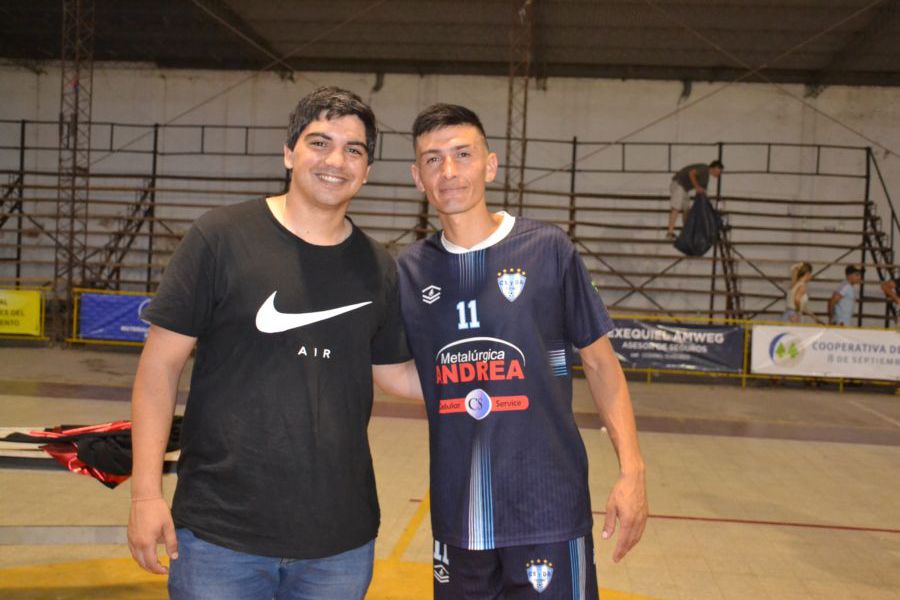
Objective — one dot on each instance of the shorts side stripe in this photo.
(578, 568)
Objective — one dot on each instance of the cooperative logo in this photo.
(431, 294)
(786, 350)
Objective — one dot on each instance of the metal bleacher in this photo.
(783, 203)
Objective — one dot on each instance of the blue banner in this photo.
(112, 317)
(657, 345)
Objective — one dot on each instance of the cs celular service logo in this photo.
(478, 404)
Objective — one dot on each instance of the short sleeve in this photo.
(389, 343)
(846, 290)
(183, 303)
(586, 318)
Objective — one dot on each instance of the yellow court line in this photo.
(94, 573)
(410, 530)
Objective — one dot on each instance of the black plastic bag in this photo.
(701, 229)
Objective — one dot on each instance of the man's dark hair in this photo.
(334, 102)
(438, 116)
(716, 163)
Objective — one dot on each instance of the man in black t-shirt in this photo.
(293, 311)
(687, 182)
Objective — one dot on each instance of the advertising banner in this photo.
(20, 312)
(826, 352)
(112, 317)
(655, 345)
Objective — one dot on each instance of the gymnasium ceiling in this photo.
(815, 42)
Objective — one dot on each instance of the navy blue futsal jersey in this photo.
(492, 330)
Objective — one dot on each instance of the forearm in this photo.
(399, 379)
(152, 407)
(609, 390)
(627, 503)
(693, 177)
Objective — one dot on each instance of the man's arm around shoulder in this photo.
(399, 379)
(627, 501)
(152, 406)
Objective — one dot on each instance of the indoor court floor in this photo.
(768, 492)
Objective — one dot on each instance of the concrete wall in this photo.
(592, 110)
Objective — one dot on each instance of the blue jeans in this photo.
(206, 571)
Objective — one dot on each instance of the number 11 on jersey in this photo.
(472, 322)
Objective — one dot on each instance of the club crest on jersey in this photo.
(431, 294)
(511, 282)
(540, 572)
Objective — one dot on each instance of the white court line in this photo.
(875, 412)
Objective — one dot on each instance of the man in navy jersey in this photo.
(294, 312)
(492, 306)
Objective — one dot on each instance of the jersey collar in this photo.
(506, 225)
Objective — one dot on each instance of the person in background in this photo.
(797, 296)
(840, 305)
(891, 287)
(689, 181)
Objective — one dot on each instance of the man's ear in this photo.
(490, 172)
(288, 158)
(414, 169)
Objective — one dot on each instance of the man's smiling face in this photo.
(329, 162)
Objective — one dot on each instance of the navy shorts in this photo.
(557, 571)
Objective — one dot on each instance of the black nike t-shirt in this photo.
(275, 457)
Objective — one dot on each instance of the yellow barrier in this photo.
(22, 312)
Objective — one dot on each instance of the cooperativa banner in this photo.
(826, 352)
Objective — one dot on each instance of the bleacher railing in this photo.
(827, 204)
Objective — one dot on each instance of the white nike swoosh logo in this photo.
(269, 320)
